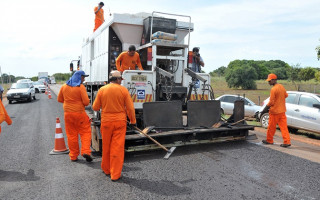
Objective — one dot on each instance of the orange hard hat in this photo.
(271, 76)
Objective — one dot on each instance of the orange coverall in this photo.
(128, 62)
(4, 115)
(76, 120)
(116, 105)
(99, 19)
(277, 113)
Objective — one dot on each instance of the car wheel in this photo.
(264, 120)
(222, 112)
(30, 98)
(10, 101)
(34, 97)
(293, 130)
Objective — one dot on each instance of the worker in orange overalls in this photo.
(99, 19)
(4, 115)
(116, 104)
(128, 60)
(74, 97)
(277, 112)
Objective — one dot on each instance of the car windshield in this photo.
(37, 83)
(20, 85)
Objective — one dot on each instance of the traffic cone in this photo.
(59, 144)
(49, 94)
(46, 92)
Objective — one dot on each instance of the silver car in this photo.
(23, 91)
(303, 112)
(227, 105)
(39, 87)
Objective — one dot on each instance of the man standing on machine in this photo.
(197, 61)
(99, 13)
(128, 60)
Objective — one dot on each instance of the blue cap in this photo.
(75, 80)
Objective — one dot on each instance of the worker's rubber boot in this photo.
(87, 157)
(266, 142)
(285, 145)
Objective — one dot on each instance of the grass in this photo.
(220, 87)
(6, 86)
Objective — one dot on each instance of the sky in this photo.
(45, 35)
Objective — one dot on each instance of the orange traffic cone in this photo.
(49, 94)
(46, 92)
(59, 144)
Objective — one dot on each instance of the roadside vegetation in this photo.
(247, 78)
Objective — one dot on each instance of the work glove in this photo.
(132, 126)
(265, 110)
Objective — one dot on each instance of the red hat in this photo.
(271, 76)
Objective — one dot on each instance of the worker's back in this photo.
(278, 99)
(74, 99)
(115, 102)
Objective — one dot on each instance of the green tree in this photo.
(62, 76)
(317, 76)
(34, 78)
(218, 72)
(243, 77)
(318, 52)
(307, 73)
(294, 74)
(19, 77)
(8, 78)
(261, 69)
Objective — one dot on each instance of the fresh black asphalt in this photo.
(234, 170)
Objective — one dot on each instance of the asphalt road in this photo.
(235, 170)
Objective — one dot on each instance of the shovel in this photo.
(145, 131)
(218, 124)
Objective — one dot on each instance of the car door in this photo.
(228, 104)
(291, 105)
(249, 108)
(305, 115)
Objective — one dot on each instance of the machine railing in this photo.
(189, 29)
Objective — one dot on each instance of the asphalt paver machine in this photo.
(178, 103)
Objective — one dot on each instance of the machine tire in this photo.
(10, 101)
(264, 120)
(293, 130)
(34, 97)
(222, 112)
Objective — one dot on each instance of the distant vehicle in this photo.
(43, 75)
(52, 80)
(24, 80)
(39, 86)
(23, 91)
(303, 112)
(227, 105)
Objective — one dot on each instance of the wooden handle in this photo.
(239, 121)
(153, 140)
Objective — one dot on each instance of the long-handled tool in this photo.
(169, 152)
(220, 123)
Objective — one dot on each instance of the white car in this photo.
(303, 112)
(227, 105)
(39, 87)
(21, 92)
(24, 80)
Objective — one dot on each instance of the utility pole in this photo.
(1, 76)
